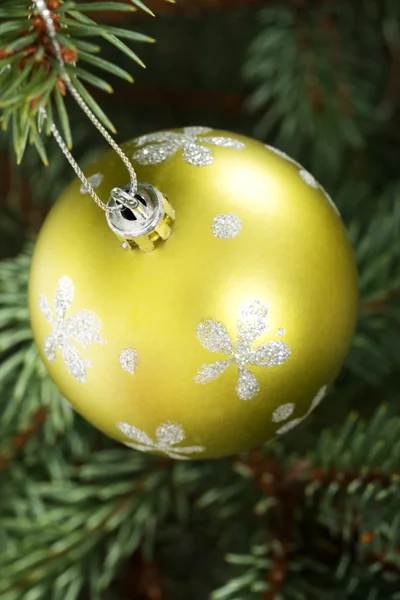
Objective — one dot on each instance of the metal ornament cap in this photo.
(143, 219)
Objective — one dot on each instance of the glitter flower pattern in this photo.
(82, 327)
(226, 226)
(252, 323)
(283, 412)
(158, 147)
(168, 436)
(312, 182)
(309, 179)
(94, 180)
(128, 359)
(294, 422)
(283, 155)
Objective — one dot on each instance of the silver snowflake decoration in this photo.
(94, 180)
(252, 323)
(128, 359)
(157, 147)
(283, 412)
(294, 422)
(226, 226)
(312, 182)
(308, 179)
(168, 436)
(304, 174)
(82, 327)
(283, 155)
(331, 202)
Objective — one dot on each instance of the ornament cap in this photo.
(145, 217)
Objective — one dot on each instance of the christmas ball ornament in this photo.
(204, 316)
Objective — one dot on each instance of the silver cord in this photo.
(46, 15)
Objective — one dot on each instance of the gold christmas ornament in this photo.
(206, 315)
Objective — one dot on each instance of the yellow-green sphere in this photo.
(225, 335)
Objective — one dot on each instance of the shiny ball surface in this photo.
(227, 334)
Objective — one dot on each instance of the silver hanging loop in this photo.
(137, 212)
(142, 220)
(46, 16)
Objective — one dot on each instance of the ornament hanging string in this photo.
(124, 199)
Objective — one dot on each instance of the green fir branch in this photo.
(32, 79)
(71, 521)
(327, 524)
(313, 85)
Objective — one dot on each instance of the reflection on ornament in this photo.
(82, 327)
(226, 226)
(94, 180)
(168, 435)
(252, 322)
(316, 400)
(165, 144)
(128, 360)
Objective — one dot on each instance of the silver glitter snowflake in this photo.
(283, 155)
(305, 175)
(294, 422)
(168, 435)
(308, 179)
(94, 180)
(283, 412)
(164, 144)
(128, 359)
(82, 327)
(331, 202)
(312, 182)
(226, 226)
(251, 324)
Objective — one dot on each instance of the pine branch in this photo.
(60, 540)
(22, 438)
(356, 466)
(321, 87)
(345, 491)
(28, 398)
(32, 79)
(375, 239)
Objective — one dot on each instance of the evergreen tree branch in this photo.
(20, 439)
(356, 466)
(32, 79)
(305, 99)
(350, 506)
(57, 556)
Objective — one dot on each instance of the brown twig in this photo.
(367, 537)
(276, 483)
(376, 305)
(43, 42)
(20, 440)
(142, 580)
(287, 487)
